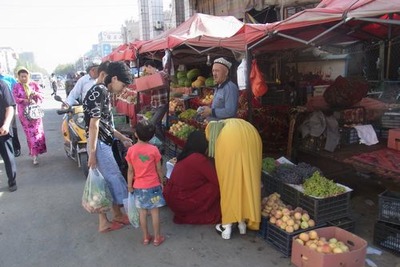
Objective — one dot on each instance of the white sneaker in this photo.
(242, 228)
(225, 230)
(35, 160)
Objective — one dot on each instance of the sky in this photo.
(59, 32)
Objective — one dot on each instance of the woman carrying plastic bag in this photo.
(96, 194)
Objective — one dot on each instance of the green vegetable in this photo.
(268, 165)
(188, 114)
(184, 132)
(148, 115)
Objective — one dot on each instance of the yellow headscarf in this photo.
(27, 89)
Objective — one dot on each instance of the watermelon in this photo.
(181, 74)
(192, 74)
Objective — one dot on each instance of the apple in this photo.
(313, 235)
(297, 215)
(301, 242)
(305, 217)
(304, 225)
(333, 240)
(337, 250)
(289, 229)
(326, 249)
(304, 237)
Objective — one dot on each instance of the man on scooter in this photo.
(83, 85)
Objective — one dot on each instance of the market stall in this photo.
(321, 32)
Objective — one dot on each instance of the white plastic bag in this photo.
(96, 196)
(133, 213)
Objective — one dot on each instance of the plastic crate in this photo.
(345, 223)
(262, 233)
(270, 184)
(281, 239)
(289, 195)
(326, 209)
(387, 237)
(348, 136)
(390, 120)
(169, 149)
(389, 207)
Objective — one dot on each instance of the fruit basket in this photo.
(326, 256)
(389, 207)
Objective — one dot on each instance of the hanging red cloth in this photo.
(258, 85)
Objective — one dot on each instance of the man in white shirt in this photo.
(83, 85)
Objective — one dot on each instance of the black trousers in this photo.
(7, 153)
(157, 120)
(15, 140)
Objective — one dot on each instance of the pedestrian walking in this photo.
(26, 92)
(6, 148)
(11, 81)
(54, 86)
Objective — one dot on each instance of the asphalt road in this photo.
(44, 225)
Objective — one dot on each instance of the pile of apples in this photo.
(321, 244)
(283, 216)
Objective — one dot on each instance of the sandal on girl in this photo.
(158, 241)
(147, 240)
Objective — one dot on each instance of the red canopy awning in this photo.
(125, 51)
(333, 21)
(201, 30)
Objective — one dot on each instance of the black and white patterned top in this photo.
(97, 105)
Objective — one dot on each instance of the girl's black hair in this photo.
(145, 130)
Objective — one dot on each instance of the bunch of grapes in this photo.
(319, 186)
(294, 174)
(287, 174)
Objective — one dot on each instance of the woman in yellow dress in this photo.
(237, 148)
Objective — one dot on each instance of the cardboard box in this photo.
(394, 139)
(150, 82)
(302, 256)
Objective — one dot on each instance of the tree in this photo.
(64, 69)
(32, 67)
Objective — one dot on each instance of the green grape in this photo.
(319, 186)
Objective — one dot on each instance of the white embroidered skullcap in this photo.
(224, 62)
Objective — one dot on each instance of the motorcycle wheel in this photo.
(84, 163)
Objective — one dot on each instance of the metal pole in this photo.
(248, 86)
(389, 48)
